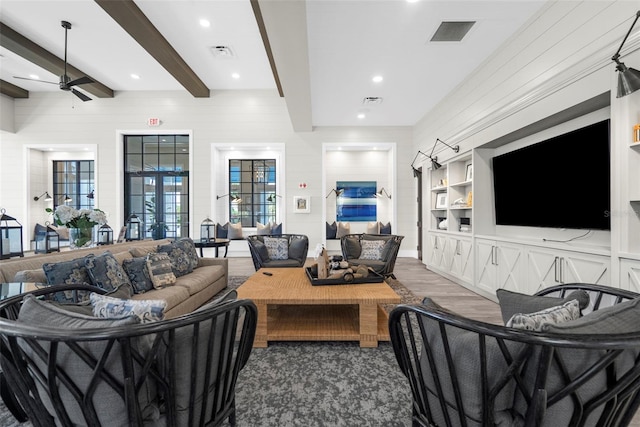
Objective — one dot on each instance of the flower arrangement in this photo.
(71, 217)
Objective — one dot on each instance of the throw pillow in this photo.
(136, 269)
(618, 319)
(371, 249)
(189, 247)
(344, 228)
(332, 229)
(276, 229)
(106, 272)
(159, 269)
(277, 247)
(553, 315)
(385, 228)
(352, 247)
(180, 259)
(298, 249)
(263, 229)
(222, 231)
(145, 310)
(71, 272)
(235, 231)
(261, 249)
(373, 228)
(515, 302)
(34, 276)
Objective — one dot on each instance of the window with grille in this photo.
(73, 183)
(252, 191)
(156, 169)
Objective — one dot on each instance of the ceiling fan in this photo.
(65, 81)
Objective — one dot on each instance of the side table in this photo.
(214, 243)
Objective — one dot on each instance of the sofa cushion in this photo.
(35, 276)
(344, 228)
(159, 268)
(331, 230)
(172, 295)
(467, 359)
(105, 272)
(263, 229)
(620, 318)
(180, 258)
(109, 405)
(222, 231)
(277, 247)
(109, 308)
(276, 229)
(71, 272)
(515, 302)
(373, 227)
(235, 231)
(371, 249)
(385, 228)
(298, 249)
(200, 278)
(136, 269)
(554, 315)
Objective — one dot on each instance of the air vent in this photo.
(223, 52)
(452, 31)
(372, 100)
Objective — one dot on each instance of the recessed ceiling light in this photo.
(34, 76)
(235, 75)
(205, 23)
(135, 76)
(377, 79)
(361, 115)
(412, 1)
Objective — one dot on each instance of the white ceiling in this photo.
(348, 42)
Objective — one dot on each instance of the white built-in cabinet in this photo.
(499, 265)
(630, 274)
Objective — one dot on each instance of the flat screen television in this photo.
(562, 182)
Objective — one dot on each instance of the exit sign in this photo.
(153, 121)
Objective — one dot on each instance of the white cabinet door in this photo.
(543, 269)
(511, 267)
(486, 267)
(585, 268)
(437, 249)
(461, 259)
(630, 275)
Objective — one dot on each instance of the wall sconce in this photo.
(10, 236)
(67, 199)
(338, 192)
(272, 197)
(91, 195)
(434, 160)
(207, 230)
(47, 197)
(382, 192)
(234, 198)
(628, 78)
(134, 228)
(105, 235)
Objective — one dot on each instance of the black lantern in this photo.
(207, 230)
(135, 229)
(10, 236)
(105, 235)
(47, 239)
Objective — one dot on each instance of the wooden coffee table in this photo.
(291, 309)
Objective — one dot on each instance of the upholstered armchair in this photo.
(378, 251)
(65, 368)
(584, 371)
(278, 251)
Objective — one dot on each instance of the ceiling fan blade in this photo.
(80, 95)
(34, 80)
(80, 81)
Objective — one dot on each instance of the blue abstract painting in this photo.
(356, 201)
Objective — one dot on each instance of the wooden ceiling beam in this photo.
(12, 90)
(267, 45)
(129, 16)
(36, 54)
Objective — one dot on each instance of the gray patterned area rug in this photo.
(317, 384)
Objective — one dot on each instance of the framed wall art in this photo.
(441, 201)
(356, 201)
(301, 204)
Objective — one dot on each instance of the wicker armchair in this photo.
(180, 371)
(298, 247)
(384, 263)
(468, 373)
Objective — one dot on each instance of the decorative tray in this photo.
(312, 274)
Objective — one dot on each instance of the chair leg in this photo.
(10, 401)
(232, 415)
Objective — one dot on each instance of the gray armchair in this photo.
(585, 372)
(266, 250)
(378, 251)
(62, 368)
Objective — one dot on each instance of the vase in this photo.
(80, 237)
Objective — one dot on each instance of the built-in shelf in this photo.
(460, 207)
(461, 184)
(439, 189)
